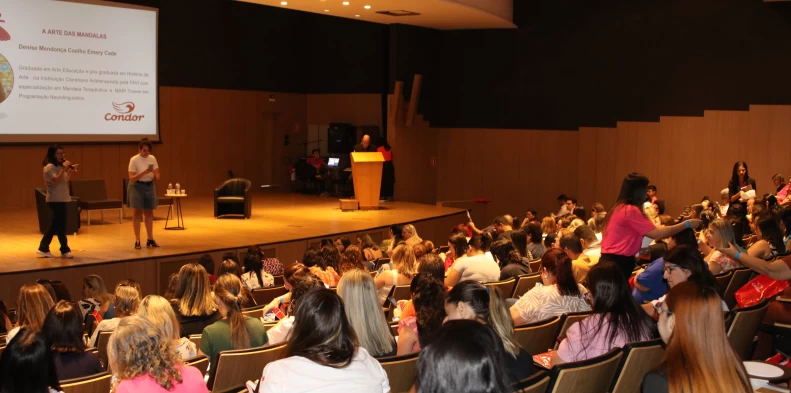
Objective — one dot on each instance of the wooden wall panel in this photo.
(413, 149)
(356, 109)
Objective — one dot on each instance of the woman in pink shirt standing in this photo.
(143, 360)
(626, 225)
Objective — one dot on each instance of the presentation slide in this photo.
(74, 72)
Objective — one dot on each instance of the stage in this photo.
(283, 224)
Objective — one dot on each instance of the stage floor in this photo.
(276, 218)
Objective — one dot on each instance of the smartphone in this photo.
(279, 313)
(394, 302)
(151, 167)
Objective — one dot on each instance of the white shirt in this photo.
(478, 268)
(297, 374)
(546, 302)
(662, 300)
(139, 164)
(279, 333)
(11, 334)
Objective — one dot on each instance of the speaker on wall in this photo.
(340, 138)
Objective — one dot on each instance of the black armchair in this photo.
(233, 197)
(45, 215)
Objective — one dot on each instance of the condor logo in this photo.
(125, 110)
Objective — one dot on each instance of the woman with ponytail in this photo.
(560, 293)
(698, 357)
(471, 300)
(234, 330)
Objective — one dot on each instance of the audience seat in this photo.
(201, 362)
(97, 383)
(744, 326)
(254, 312)
(58, 287)
(90, 324)
(740, 278)
(566, 320)
(235, 367)
(535, 266)
(279, 281)
(92, 195)
(401, 371)
(536, 383)
(101, 345)
(723, 279)
(593, 375)
(381, 261)
(266, 295)
(233, 197)
(397, 292)
(638, 359)
(195, 338)
(526, 282)
(506, 287)
(538, 337)
(443, 249)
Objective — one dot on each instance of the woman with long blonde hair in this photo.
(157, 310)
(409, 233)
(548, 226)
(234, 330)
(143, 360)
(698, 357)
(720, 235)
(363, 309)
(193, 301)
(404, 269)
(96, 297)
(33, 304)
(127, 299)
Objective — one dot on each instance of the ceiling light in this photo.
(283, 3)
(345, 3)
(367, 7)
(326, 10)
(357, 16)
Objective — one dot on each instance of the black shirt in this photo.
(655, 382)
(359, 148)
(514, 270)
(70, 365)
(194, 324)
(518, 368)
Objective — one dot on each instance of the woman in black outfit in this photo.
(740, 178)
(63, 333)
(57, 171)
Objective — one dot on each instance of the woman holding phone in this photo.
(141, 191)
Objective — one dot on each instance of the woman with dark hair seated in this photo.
(684, 263)
(560, 293)
(649, 283)
(511, 263)
(456, 363)
(314, 260)
(474, 265)
(323, 353)
(27, 365)
(698, 356)
(63, 332)
(770, 237)
(616, 321)
(472, 300)
(254, 275)
(428, 299)
(298, 280)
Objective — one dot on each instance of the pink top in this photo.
(192, 382)
(581, 345)
(783, 194)
(316, 162)
(625, 231)
(410, 323)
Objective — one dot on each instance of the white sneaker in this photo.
(67, 255)
(44, 254)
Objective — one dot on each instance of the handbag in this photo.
(761, 287)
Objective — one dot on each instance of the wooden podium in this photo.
(367, 175)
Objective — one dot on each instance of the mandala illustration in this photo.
(6, 78)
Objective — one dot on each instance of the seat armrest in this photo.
(783, 300)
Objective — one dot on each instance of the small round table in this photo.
(175, 213)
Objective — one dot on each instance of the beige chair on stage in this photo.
(367, 175)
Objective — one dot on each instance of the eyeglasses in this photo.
(659, 310)
(669, 269)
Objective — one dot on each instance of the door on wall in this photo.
(316, 139)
